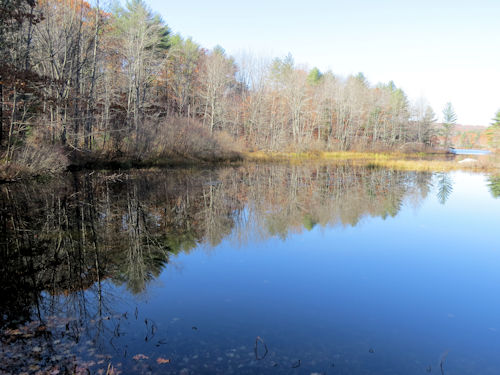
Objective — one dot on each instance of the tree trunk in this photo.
(90, 103)
(1, 111)
(12, 121)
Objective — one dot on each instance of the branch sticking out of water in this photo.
(257, 340)
(441, 363)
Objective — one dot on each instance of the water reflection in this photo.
(444, 187)
(75, 232)
(494, 185)
(69, 246)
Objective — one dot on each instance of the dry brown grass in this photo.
(320, 155)
(34, 158)
(397, 161)
(435, 165)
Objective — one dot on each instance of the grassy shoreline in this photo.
(420, 162)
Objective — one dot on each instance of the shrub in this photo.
(33, 159)
(182, 139)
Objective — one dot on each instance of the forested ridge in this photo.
(82, 82)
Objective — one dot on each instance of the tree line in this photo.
(493, 132)
(113, 81)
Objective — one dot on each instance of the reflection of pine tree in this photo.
(124, 230)
(445, 187)
(494, 185)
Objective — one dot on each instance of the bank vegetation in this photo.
(81, 83)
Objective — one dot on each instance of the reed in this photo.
(399, 161)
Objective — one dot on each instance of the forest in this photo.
(82, 83)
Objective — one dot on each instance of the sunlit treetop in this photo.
(496, 119)
(314, 76)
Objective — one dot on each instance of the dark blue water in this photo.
(349, 271)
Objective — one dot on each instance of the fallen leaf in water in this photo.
(162, 361)
(138, 357)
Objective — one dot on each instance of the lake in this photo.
(254, 269)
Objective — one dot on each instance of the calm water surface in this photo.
(348, 270)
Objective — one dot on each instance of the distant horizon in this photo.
(443, 53)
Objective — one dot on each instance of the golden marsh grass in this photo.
(409, 162)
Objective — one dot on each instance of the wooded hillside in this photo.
(89, 83)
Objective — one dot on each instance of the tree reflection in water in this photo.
(444, 187)
(66, 242)
(494, 185)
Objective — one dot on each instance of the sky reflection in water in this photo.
(349, 270)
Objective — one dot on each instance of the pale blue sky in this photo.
(443, 50)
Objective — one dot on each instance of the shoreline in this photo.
(419, 162)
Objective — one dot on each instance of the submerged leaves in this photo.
(162, 361)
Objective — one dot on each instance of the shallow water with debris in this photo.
(256, 269)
